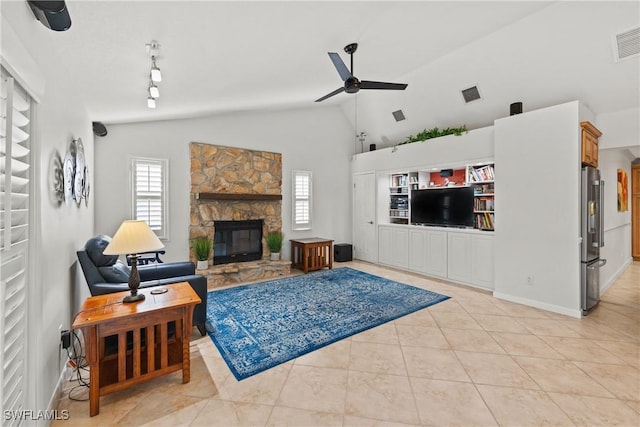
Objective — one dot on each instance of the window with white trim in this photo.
(15, 211)
(149, 184)
(302, 212)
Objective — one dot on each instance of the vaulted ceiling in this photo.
(225, 57)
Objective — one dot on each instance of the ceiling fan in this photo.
(351, 83)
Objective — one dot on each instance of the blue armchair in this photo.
(105, 274)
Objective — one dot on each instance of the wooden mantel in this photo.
(231, 196)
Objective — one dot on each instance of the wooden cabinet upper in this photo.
(589, 136)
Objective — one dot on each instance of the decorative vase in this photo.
(202, 264)
(275, 256)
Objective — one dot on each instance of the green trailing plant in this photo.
(274, 241)
(201, 248)
(434, 133)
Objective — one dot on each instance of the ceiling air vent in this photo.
(627, 44)
(471, 94)
(398, 115)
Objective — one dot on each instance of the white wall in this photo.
(619, 129)
(617, 225)
(57, 287)
(319, 140)
(537, 186)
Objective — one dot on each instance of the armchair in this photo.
(106, 274)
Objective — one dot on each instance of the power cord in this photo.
(79, 364)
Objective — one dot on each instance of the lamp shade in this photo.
(133, 237)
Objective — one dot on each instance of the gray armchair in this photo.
(105, 274)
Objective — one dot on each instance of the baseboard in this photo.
(537, 304)
(59, 390)
(615, 276)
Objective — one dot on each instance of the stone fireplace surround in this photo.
(230, 184)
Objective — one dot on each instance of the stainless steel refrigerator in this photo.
(592, 227)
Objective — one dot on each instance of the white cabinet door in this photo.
(437, 253)
(400, 247)
(418, 250)
(482, 261)
(385, 249)
(459, 257)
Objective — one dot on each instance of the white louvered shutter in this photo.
(14, 236)
(149, 193)
(301, 200)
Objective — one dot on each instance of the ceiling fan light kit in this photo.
(351, 83)
(155, 75)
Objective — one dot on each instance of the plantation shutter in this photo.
(301, 200)
(14, 236)
(149, 184)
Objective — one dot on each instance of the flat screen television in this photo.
(448, 207)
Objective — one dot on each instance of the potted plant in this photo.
(274, 242)
(201, 249)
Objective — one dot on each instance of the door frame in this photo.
(373, 175)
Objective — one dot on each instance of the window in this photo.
(302, 200)
(150, 194)
(15, 212)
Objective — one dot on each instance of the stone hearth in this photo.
(249, 184)
(243, 272)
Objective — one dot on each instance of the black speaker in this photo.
(99, 129)
(342, 252)
(372, 147)
(515, 108)
(53, 14)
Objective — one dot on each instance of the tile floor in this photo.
(471, 360)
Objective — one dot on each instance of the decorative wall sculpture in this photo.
(70, 177)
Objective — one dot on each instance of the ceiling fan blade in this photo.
(339, 64)
(366, 84)
(335, 92)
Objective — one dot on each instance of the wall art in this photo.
(623, 191)
(70, 177)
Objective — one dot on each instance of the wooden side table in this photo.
(311, 254)
(150, 351)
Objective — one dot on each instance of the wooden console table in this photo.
(311, 254)
(126, 344)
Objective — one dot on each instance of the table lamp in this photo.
(133, 237)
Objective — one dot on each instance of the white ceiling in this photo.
(220, 57)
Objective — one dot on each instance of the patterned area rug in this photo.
(259, 326)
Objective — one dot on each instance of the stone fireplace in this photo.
(231, 184)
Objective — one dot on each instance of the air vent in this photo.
(471, 94)
(627, 44)
(398, 115)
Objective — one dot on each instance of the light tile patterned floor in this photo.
(471, 360)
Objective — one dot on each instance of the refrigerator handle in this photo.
(602, 262)
(601, 215)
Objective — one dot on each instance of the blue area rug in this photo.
(259, 326)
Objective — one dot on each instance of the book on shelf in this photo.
(484, 173)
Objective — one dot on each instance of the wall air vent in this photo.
(471, 94)
(627, 44)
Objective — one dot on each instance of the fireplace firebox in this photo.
(237, 241)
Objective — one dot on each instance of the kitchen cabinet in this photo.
(589, 136)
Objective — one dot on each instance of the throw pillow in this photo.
(116, 273)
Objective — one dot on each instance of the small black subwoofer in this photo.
(515, 108)
(342, 252)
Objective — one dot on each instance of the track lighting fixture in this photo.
(154, 92)
(154, 74)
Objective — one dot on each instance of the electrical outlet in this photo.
(65, 339)
(530, 280)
